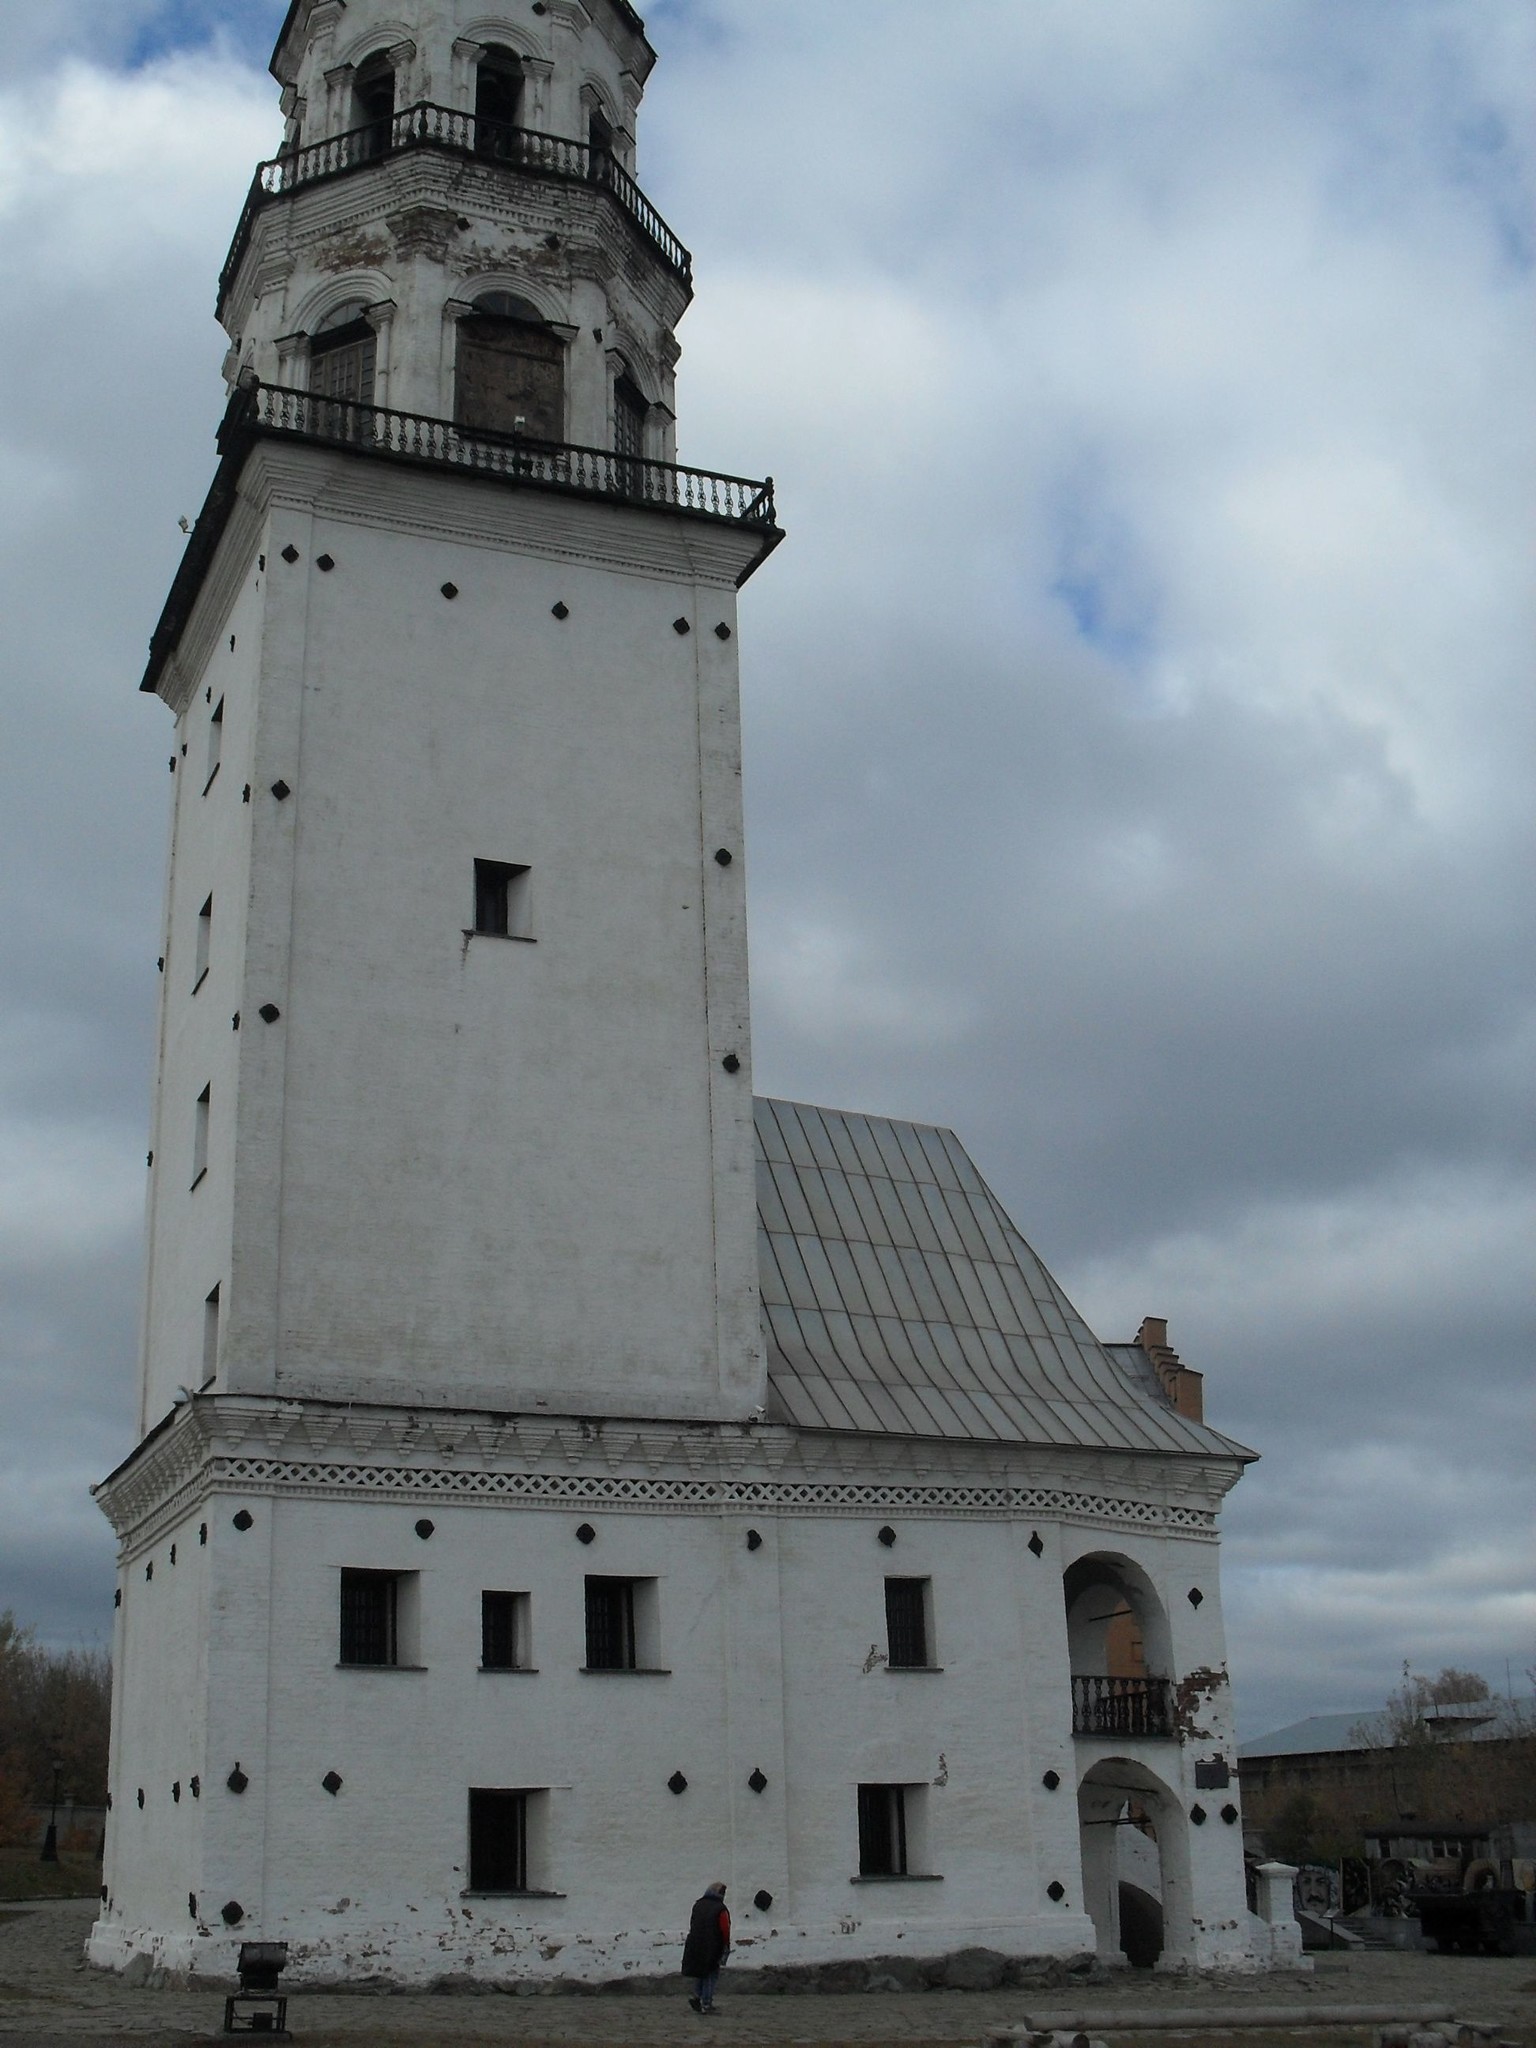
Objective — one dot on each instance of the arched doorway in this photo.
(1135, 1850)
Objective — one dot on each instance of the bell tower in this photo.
(454, 1099)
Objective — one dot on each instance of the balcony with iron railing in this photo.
(1122, 1707)
(452, 131)
(605, 475)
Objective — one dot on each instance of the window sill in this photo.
(380, 1667)
(901, 1877)
(915, 1670)
(199, 981)
(529, 1894)
(625, 1671)
(202, 1175)
(509, 1670)
(521, 939)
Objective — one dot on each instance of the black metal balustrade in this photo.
(257, 411)
(429, 126)
(1122, 1706)
(514, 458)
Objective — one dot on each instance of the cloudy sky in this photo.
(1138, 715)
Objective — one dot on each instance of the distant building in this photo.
(1463, 1789)
(560, 1478)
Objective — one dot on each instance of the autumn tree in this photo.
(55, 1706)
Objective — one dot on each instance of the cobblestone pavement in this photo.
(48, 1996)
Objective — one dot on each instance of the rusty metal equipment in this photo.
(259, 2007)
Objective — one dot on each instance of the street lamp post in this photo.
(51, 1839)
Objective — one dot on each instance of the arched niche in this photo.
(1117, 1626)
(373, 103)
(510, 369)
(499, 92)
(343, 354)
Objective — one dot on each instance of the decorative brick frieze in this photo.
(570, 1463)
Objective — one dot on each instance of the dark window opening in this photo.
(611, 1625)
(501, 899)
(511, 371)
(204, 944)
(503, 1631)
(498, 1841)
(599, 142)
(882, 1831)
(498, 101)
(202, 1110)
(906, 1623)
(342, 361)
(210, 1336)
(215, 742)
(369, 1617)
(629, 411)
(373, 106)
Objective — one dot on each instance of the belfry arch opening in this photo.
(343, 354)
(1119, 1647)
(1135, 1851)
(511, 370)
(498, 99)
(373, 104)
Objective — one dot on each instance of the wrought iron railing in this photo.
(1122, 1706)
(258, 410)
(429, 126)
(513, 458)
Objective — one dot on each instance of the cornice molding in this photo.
(242, 1445)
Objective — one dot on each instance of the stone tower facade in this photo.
(525, 1436)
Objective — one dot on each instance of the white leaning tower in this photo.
(529, 1520)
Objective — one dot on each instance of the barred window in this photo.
(611, 1625)
(369, 1617)
(906, 1623)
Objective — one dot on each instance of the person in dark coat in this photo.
(707, 1946)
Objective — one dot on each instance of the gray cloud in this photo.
(1133, 716)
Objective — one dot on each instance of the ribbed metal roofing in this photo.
(898, 1299)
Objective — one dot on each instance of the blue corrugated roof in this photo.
(899, 1299)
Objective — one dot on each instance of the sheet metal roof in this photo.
(1495, 1720)
(898, 1299)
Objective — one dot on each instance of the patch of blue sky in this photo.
(248, 28)
(1102, 579)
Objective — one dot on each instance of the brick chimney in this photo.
(1183, 1388)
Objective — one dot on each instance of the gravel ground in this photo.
(49, 1996)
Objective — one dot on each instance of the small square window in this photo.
(378, 1618)
(622, 1630)
(501, 899)
(506, 1829)
(882, 1831)
(201, 1112)
(504, 1644)
(906, 1624)
(893, 1823)
(369, 1618)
